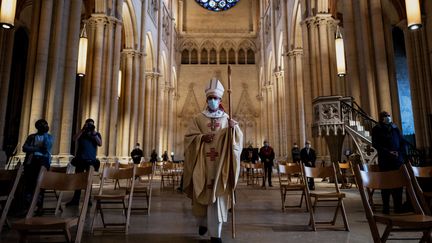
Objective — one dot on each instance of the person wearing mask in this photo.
(165, 157)
(38, 153)
(295, 153)
(267, 156)
(153, 156)
(308, 158)
(87, 140)
(137, 154)
(389, 143)
(212, 163)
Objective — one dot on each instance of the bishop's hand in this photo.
(232, 123)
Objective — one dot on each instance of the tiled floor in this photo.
(258, 214)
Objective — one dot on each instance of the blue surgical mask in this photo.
(213, 104)
(387, 120)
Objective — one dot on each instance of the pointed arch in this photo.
(129, 25)
(150, 56)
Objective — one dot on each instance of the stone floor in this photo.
(258, 214)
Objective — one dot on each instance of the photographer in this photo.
(88, 139)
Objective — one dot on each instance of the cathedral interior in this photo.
(301, 70)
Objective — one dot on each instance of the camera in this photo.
(90, 127)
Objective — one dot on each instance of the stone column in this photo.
(292, 112)
(351, 51)
(6, 49)
(135, 101)
(71, 60)
(298, 57)
(126, 116)
(113, 122)
(147, 122)
(383, 82)
(41, 64)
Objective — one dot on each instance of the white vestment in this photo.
(211, 170)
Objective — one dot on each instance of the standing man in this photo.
(87, 139)
(267, 156)
(387, 140)
(308, 158)
(211, 167)
(38, 153)
(137, 154)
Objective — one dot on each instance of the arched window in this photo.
(204, 56)
(223, 57)
(185, 57)
(231, 57)
(250, 57)
(241, 57)
(213, 57)
(194, 57)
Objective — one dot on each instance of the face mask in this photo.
(295, 146)
(266, 145)
(308, 145)
(213, 104)
(387, 120)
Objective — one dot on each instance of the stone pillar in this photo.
(351, 51)
(281, 111)
(68, 93)
(38, 100)
(135, 101)
(298, 56)
(420, 76)
(382, 77)
(292, 112)
(126, 116)
(148, 122)
(6, 44)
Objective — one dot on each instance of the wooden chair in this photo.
(55, 225)
(419, 173)
(347, 176)
(57, 195)
(336, 196)
(417, 222)
(285, 173)
(9, 180)
(115, 196)
(143, 186)
(257, 173)
(167, 174)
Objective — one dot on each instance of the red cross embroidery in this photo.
(213, 124)
(212, 154)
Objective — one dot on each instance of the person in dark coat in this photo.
(295, 153)
(308, 158)
(389, 143)
(267, 156)
(153, 156)
(137, 154)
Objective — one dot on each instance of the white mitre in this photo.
(215, 88)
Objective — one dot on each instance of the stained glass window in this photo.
(217, 5)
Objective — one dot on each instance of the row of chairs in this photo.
(369, 179)
(137, 183)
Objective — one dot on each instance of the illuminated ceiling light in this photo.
(82, 53)
(413, 14)
(340, 54)
(7, 13)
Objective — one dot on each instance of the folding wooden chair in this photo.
(57, 195)
(167, 174)
(417, 222)
(56, 225)
(285, 173)
(143, 186)
(257, 173)
(115, 196)
(346, 174)
(9, 180)
(336, 196)
(419, 173)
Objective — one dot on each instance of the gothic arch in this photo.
(149, 60)
(129, 25)
(296, 33)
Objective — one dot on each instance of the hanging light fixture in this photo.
(82, 53)
(119, 84)
(413, 14)
(340, 54)
(7, 13)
